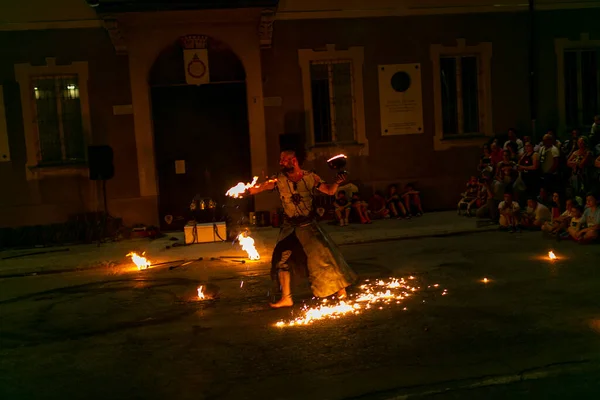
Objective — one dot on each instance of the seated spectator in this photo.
(469, 197)
(412, 200)
(496, 153)
(394, 204)
(512, 138)
(361, 208)
(535, 215)
(509, 213)
(544, 197)
(377, 206)
(560, 224)
(590, 221)
(555, 206)
(342, 207)
(574, 224)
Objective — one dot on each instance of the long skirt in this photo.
(308, 246)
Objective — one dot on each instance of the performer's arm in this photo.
(329, 188)
(261, 187)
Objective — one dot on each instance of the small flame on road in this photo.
(371, 294)
(201, 292)
(485, 280)
(247, 244)
(238, 190)
(141, 262)
(552, 256)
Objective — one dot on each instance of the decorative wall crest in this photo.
(116, 35)
(194, 42)
(265, 29)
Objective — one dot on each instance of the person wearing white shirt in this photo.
(536, 215)
(512, 137)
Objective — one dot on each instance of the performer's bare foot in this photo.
(286, 301)
(341, 294)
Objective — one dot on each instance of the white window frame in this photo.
(356, 56)
(483, 52)
(560, 46)
(23, 75)
(4, 145)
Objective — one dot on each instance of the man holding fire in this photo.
(301, 237)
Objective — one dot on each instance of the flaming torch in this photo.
(201, 293)
(238, 190)
(140, 262)
(247, 244)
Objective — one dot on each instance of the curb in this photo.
(420, 236)
(544, 372)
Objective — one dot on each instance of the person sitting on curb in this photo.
(535, 215)
(412, 200)
(361, 208)
(560, 224)
(509, 213)
(377, 206)
(574, 224)
(342, 207)
(590, 221)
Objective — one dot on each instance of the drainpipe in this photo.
(532, 70)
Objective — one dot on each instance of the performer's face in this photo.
(287, 162)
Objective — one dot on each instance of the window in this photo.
(332, 102)
(582, 86)
(332, 83)
(462, 94)
(58, 119)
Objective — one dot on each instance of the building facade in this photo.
(409, 92)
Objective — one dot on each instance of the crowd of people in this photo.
(549, 186)
(393, 204)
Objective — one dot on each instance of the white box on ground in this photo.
(205, 233)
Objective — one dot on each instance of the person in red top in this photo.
(378, 206)
(496, 153)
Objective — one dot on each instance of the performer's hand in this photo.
(340, 178)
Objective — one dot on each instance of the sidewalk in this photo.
(108, 255)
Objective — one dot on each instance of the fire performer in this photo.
(300, 237)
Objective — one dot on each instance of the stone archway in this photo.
(201, 138)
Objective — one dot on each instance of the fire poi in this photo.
(141, 262)
(302, 243)
(238, 190)
(552, 256)
(247, 244)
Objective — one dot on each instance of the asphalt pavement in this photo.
(489, 316)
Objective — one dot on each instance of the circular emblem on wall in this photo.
(400, 81)
(196, 68)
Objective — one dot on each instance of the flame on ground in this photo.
(201, 292)
(552, 256)
(140, 262)
(376, 294)
(238, 190)
(247, 244)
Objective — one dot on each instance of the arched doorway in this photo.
(202, 143)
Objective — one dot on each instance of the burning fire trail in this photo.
(552, 256)
(238, 190)
(141, 262)
(247, 244)
(201, 293)
(375, 294)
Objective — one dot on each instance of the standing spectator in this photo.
(535, 215)
(549, 159)
(570, 145)
(378, 207)
(394, 204)
(594, 136)
(506, 173)
(579, 162)
(412, 200)
(361, 208)
(512, 138)
(497, 153)
(342, 207)
(509, 213)
(485, 162)
(529, 166)
(590, 221)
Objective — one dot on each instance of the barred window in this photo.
(460, 94)
(582, 86)
(58, 119)
(333, 101)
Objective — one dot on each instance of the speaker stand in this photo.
(104, 220)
